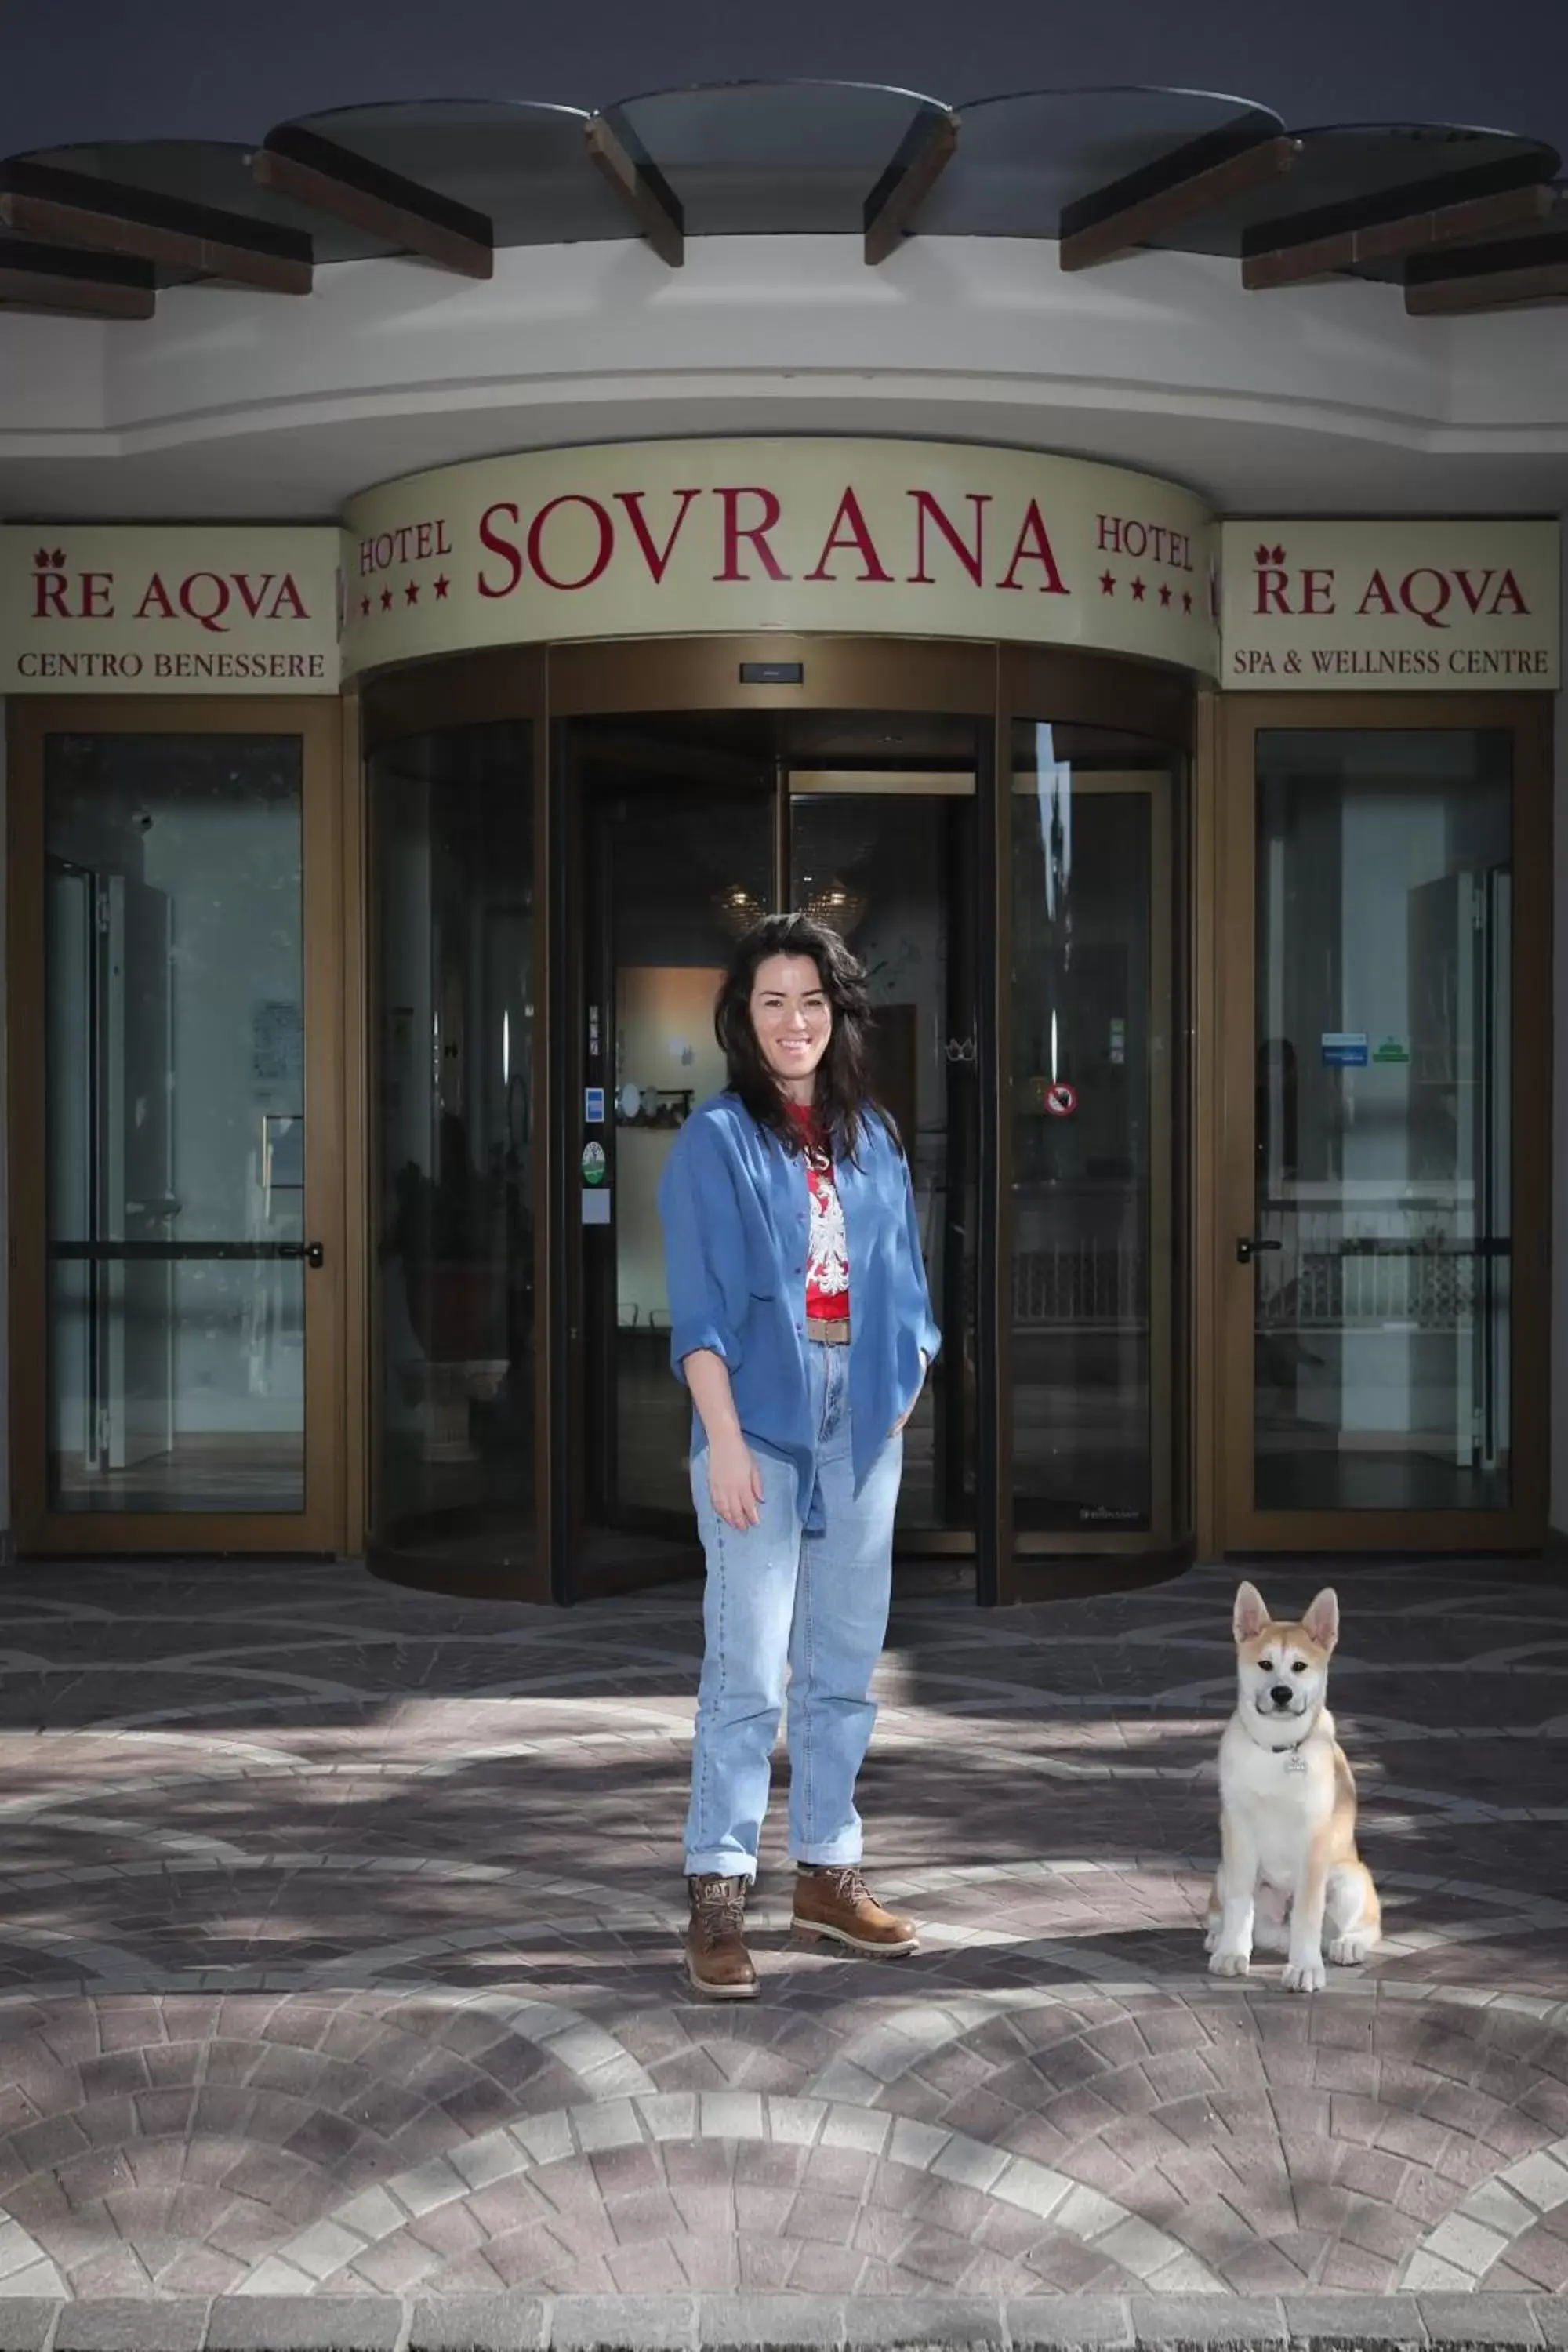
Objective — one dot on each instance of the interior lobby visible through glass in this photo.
(1384, 1275)
(175, 1059)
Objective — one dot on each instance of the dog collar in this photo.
(1294, 1751)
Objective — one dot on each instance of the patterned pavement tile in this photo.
(338, 1931)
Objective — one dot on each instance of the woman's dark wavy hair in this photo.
(844, 1098)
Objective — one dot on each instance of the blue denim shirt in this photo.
(734, 1206)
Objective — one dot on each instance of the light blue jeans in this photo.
(779, 1594)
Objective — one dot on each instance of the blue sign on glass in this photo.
(592, 1106)
(1345, 1049)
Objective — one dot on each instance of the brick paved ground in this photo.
(337, 1929)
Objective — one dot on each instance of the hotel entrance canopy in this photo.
(1461, 219)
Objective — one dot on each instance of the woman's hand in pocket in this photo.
(734, 1482)
(905, 1418)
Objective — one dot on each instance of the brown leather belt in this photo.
(827, 1334)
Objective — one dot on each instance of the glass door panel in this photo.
(188, 1293)
(676, 829)
(452, 861)
(1092, 1272)
(1382, 1228)
(886, 853)
(1382, 1245)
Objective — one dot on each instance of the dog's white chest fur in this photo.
(1282, 1799)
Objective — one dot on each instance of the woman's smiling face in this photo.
(792, 1021)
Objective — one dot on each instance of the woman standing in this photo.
(801, 1326)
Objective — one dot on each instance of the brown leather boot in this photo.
(717, 1965)
(837, 1903)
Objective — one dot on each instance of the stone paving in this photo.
(339, 1930)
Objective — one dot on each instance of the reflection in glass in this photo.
(174, 1050)
(678, 822)
(893, 869)
(452, 833)
(1092, 1261)
(1383, 1186)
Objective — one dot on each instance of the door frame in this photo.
(327, 953)
(1226, 1447)
(990, 681)
(704, 674)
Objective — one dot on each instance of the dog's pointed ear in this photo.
(1251, 1614)
(1321, 1621)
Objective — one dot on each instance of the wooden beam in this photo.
(924, 156)
(1199, 178)
(1511, 275)
(66, 207)
(326, 178)
(61, 283)
(642, 188)
(1276, 255)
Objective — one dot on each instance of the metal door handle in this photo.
(187, 1253)
(1246, 1248)
(312, 1252)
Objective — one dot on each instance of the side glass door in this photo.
(1386, 1140)
(176, 1132)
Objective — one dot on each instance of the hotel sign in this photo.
(200, 608)
(688, 538)
(691, 538)
(1396, 607)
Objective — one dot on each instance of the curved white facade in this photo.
(236, 405)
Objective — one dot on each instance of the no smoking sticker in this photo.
(1061, 1100)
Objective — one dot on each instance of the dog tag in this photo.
(1295, 1762)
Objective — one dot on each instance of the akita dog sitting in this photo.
(1288, 1862)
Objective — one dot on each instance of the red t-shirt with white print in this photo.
(826, 1249)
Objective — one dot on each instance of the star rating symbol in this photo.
(1164, 592)
(386, 600)
(1138, 592)
(364, 608)
(1108, 584)
(442, 584)
(411, 592)
(1186, 600)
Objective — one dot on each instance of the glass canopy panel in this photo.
(1022, 159)
(773, 159)
(212, 172)
(526, 167)
(1363, 172)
